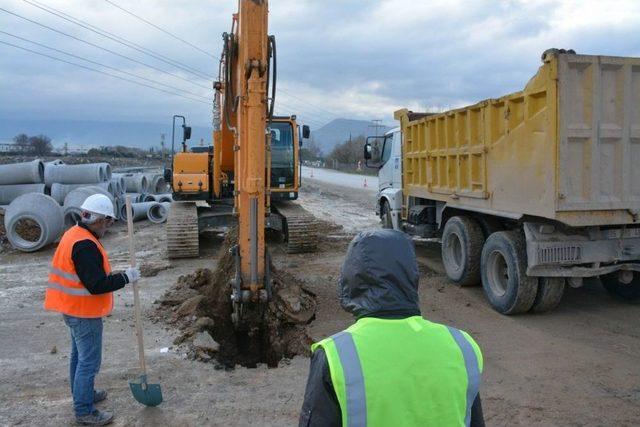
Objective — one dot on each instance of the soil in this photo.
(268, 333)
(575, 366)
(28, 229)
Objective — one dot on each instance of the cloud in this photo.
(356, 59)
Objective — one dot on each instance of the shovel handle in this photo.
(136, 296)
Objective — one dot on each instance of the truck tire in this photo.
(625, 292)
(504, 273)
(462, 241)
(550, 291)
(385, 215)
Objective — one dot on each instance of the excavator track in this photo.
(299, 226)
(182, 230)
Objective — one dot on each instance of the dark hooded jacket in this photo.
(379, 278)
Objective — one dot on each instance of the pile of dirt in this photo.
(200, 306)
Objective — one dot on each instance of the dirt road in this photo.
(576, 366)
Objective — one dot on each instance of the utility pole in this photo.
(162, 146)
(66, 149)
(376, 124)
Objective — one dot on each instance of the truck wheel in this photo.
(385, 215)
(628, 292)
(550, 291)
(504, 273)
(462, 241)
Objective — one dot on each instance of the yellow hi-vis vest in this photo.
(404, 372)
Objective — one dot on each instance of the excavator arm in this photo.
(242, 142)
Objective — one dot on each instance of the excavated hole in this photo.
(200, 302)
(28, 229)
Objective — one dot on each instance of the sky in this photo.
(356, 59)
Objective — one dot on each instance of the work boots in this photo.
(96, 418)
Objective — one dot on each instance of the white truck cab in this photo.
(389, 197)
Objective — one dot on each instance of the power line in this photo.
(162, 29)
(207, 53)
(102, 48)
(102, 72)
(102, 65)
(118, 39)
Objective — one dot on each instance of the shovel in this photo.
(147, 394)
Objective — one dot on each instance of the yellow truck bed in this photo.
(566, 148)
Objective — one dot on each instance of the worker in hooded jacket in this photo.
(391, 367)
(81, 287)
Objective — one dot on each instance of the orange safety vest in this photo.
(65, 292)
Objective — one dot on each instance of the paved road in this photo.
(351, 180)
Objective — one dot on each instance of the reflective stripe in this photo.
(353, 378)
(68, 276)
(473, 371)
(67, 290)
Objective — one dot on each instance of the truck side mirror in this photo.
(306, 132)
(186, 132)
(367, 151)
(373, 149)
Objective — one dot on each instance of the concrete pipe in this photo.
(33, 221)
(162, 198)
(135, 183)
(76, 198)
(157, 184)
(22, 173)
(118, 184)
(60, 191)
(10, 192)
(146, 198)
(140, 210)
(77, 174)
(158, 213)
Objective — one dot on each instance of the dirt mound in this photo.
(200, 305)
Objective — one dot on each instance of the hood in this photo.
(379, 274)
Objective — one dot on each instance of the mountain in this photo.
(88, 134)
(337, 131)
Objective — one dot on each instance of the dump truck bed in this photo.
(566, 148)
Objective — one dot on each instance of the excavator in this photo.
(251, 173)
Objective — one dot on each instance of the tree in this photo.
(349, 152)
(41, 145)
(310, 150)
(21, 139)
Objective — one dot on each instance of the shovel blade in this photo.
(147, 394)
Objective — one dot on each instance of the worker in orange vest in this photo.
(81, 287)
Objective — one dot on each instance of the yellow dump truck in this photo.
(529, 191)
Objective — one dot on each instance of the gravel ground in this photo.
(575, 366)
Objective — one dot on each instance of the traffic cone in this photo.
(364, 184)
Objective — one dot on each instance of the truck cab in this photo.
(385, 154)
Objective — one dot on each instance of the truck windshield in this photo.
(282, 160)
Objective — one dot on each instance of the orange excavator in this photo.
(233, 181)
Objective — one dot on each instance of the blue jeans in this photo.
(86, 356)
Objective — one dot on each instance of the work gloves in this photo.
(133, 274)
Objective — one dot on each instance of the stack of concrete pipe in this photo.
(21, 178)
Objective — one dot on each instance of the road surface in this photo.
(351, 180)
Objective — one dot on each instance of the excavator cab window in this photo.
(282, 155)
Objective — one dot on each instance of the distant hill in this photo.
(337, 131)
(88, 134)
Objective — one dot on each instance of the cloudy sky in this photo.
(336, 58)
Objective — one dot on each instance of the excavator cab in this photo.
(286, 139)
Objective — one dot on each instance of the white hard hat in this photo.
(98, 204)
